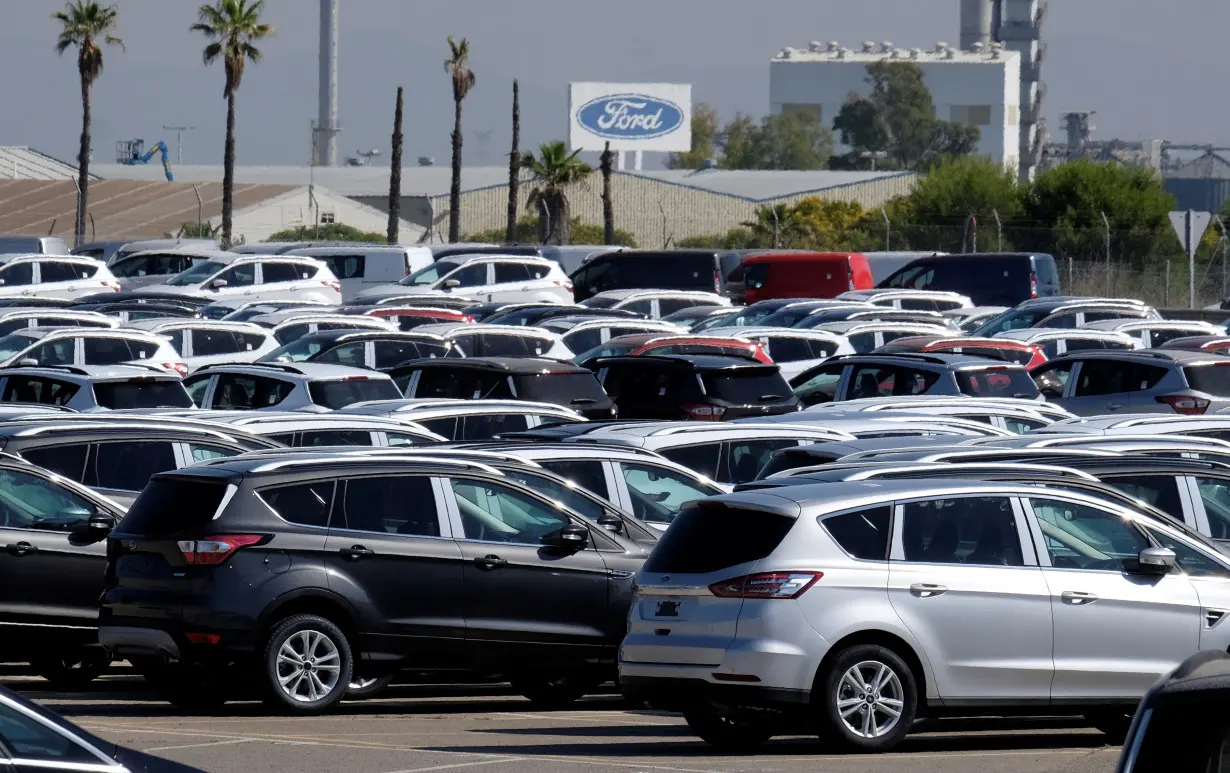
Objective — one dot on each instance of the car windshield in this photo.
(748, 386)
(299, 350)
(1012, 319)
(335, 395)
(142, 393)
(14, 344)
(605, 350)
(197, 274)
(430, 275)
(599, 303)
(564, 388)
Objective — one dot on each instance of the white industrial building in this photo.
(980, 88)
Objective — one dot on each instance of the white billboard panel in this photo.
(630, 116)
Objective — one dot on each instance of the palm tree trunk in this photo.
(395, 173)
(83, 165)
(228, 171)
(454, 191)
(561, 227)
(608, 206)
(514, 166)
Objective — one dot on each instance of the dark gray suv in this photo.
(1144, 381)
(861, 376)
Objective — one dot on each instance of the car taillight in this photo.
(705, 412)
(216, 549)
(717, 281)
(179, 367)
(1033, 284)
(336, 285)
(766, 585)
(1185, 404)
(114, 285)
(850, 276)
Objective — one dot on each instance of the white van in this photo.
(39, 245)
(359, 267)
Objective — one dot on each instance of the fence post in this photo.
(888, 230)
(1166, 297)
(1070, 268)
(1109, 285)
(999, 232)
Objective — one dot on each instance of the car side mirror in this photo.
(1155, 561)
(612, 523)
(573, 537)
(218, 284)
(95, 530)
(1, 283)
(27, 362)
(450, 284)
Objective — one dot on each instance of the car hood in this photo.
(394, 290)
(191, 291)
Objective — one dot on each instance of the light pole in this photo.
(179, 140)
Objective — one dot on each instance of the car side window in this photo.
(1059, 321)
(25, 738)
(863, 342)
(243, 275)
(919, 304)
(1078, 536)
(1193, 562)
(176, 337)
(335, 437)
(203, 453)
(671, 305)
(863, 534)
(639, 307)
(745, 458)
(1215, 494)
(470, 275)
(511, 272)
(488, 425)
(1051, 379)
(346, 266)
(107, 351)
(307, 504)
(703, 459)
(62, 351)
(1161, 491)
(391, 504)
(1106, 377)
(250, 341)
(31, 502)
(128, 465)
(35, 389)
(240, 391)
(445, 427)
(583, 340)
(494, 513)
(586, 474)
(68, 460)
(197, 387)
(821, 387)
(961, 530)
(17, 274)
(390, 353)
(207, 342)
(56, 271)
(658, 492)
(354, 355)
(280, 272)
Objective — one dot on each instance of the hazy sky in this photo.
(1150, 68)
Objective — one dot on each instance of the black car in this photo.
(509, 378)
(703, 387)
(1181, 725)
(298, 575)
(988, 279)
(374, 349)
(131, 310)
(704, 270)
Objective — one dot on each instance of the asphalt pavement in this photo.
(415, 729)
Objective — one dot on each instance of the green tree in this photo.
(785, 141)
(326, 232)
(936, 214)
(704, 139)
(458, 68)
(552, 172)
(86, 25)
(526, 232)
(231, 27)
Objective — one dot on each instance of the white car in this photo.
(151, 267)
(69, 346)
(486, 278)
(793, 350)
(469, 419)
(54, 276)
(359, 267)
(501, 340)
(912, 300)
(254, 278)
(12, 320)
(292, 324)
(654, 304)
(207, 342)
(303, 386)
(581, 334)
(1152, 333)
(1061, 340)
(867, 336)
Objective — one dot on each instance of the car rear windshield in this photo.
(712, 536)
(750, 386)
(561, 388)
(599, 303)
(170, 505)
(1210, 379)
(335, 395)
(997, 382)
(142, 393)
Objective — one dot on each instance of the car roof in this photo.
(1035, 334)
(944, 359)
(1154, 356)
(425, 408)
(11, 257)
(311, 371)
(84, 373)
(159, 324)
(654, 292)
(510, 365)
(584, 322)
(1143, 324)
(776, 332)
(855, 326)
(186, 250)
(707, 362)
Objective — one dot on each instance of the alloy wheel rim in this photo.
(309, 666)
(870, 699)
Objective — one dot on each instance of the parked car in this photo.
(1147, 381)
(303, 386)
(40, 245)
(502, 341)
(376, 349)
(756, 314)
(254, 278)
(972, 318)
(38, 346)
(1030, 313)
(239, 310)
(794, 351)
(866, 336)
(130, 311)
(546, 606)
(506, 378)
(359, 267)
(1186, 703)
(656, 344)
(911, 299)
(292, 324)
(989, 279)
(486, 278)
(534, 315)
(111, 251)
(822, 317)
(297, 430)
(703, 387)
(53, 276)
(700, 270)
(1016, 415)
(469, 419)
(208, 342)
(410, 317)
(581, 334)
(1154, 333)
(699, 318)
(1206, 343)
(93, 387)
(860, 376)
(653, 304)
(153, 267)
(1029, 355)
(1055, 342)
(804, 275)
(13, 320)
(912, 644)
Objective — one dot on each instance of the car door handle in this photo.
(356, 552)
(20, 549)
(1113, 406)
(925, 590)
(1078, 598)
(487, 563)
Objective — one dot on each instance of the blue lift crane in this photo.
(133, 152)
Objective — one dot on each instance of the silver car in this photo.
(1144, 381)
(861, 607)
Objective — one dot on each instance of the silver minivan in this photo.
(358, 267)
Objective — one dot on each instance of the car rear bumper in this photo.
(679, 693)
(123, 641)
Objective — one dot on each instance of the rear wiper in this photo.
(766, 398)
(1024, 396)
(583, 400)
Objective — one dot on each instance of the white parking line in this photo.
(199, 745)
(455, 765)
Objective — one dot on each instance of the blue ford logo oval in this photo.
(630, 116)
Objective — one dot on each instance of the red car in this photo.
(1218, 344)
(1029, 355)
(653, 343)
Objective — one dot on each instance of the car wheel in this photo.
(307, 665)
(70, 671)
(728, 732)
(1115, 724)
(867, 699)
(361, 688)
(554, 691)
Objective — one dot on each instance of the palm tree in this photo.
(231, 26)
(514, 166)
(552, 172)
(83, 24)
(458, 68)
(395, 172)
(608, 203)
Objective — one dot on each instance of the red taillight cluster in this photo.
(766, 585)
(179, 367)
(850, 276)
(705, 412)
(215, 549)
(335, 284)
(1185, 404)
(1033, 284)
(717, 282)
(111, 283)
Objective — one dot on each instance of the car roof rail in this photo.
(282, 366)
(65, 368)
(332, 460)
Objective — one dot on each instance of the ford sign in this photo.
(629, 117)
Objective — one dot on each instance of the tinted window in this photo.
(107, 351)
(390, 353)
(587, 475)
(512, 272)
(128, 465)
(699, 541)
(62, 351)
(353, 355)
(142, 393)
(207, 342)
(487, 426)
(171, 505)
(391, 505)
(888, 381)
(745, 458)
(821, 385)
(1105, 377)
(583, 340)
(57, 271)
(1161, 491)
(15, 324)
(578, 390)
(17, 274)
(1215, 493)
(1211, 379)
(307, 504)
(1051, 379)
(968, 530)
(747, 386)
(176, 337)
(658, 492)
(346, 266)
(795, 349)
(248, 342)
(68, 461)
(863, 534)
(470, 275)
(997, 382)
(202, 453)
(863, 342)
(33, 389)
(571, 498)
(672, 270)
(241, 392)
(494, 513)
(339, 394)
(671, 305)
(196, 388)
(28, 739)
(279, 272)
(289, 333)
(445, 428)
(1190, 560)
(30, 502)
(702, 459)
(239, 276)
(335, 437)
(1081, 537)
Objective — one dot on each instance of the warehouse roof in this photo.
(434, 180)
(941, 53)
(21, 163)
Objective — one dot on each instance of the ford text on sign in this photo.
(630, 116)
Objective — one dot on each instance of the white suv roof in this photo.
(669, 434)
(7, 315)
(889, 294)
(627, 296)
(1132, 325)
(422, 409)
(1033, 335)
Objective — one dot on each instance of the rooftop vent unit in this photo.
(916, 53)
(834, 45)
(941, 47)
(886, 46)
(868, 47)
(815, 46)
(427, 161)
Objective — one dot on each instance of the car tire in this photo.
(307, 665)
(553, 691)
(1115, 724)
(728, 733)
(72, 670)
(362, 688)
(881, 683)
